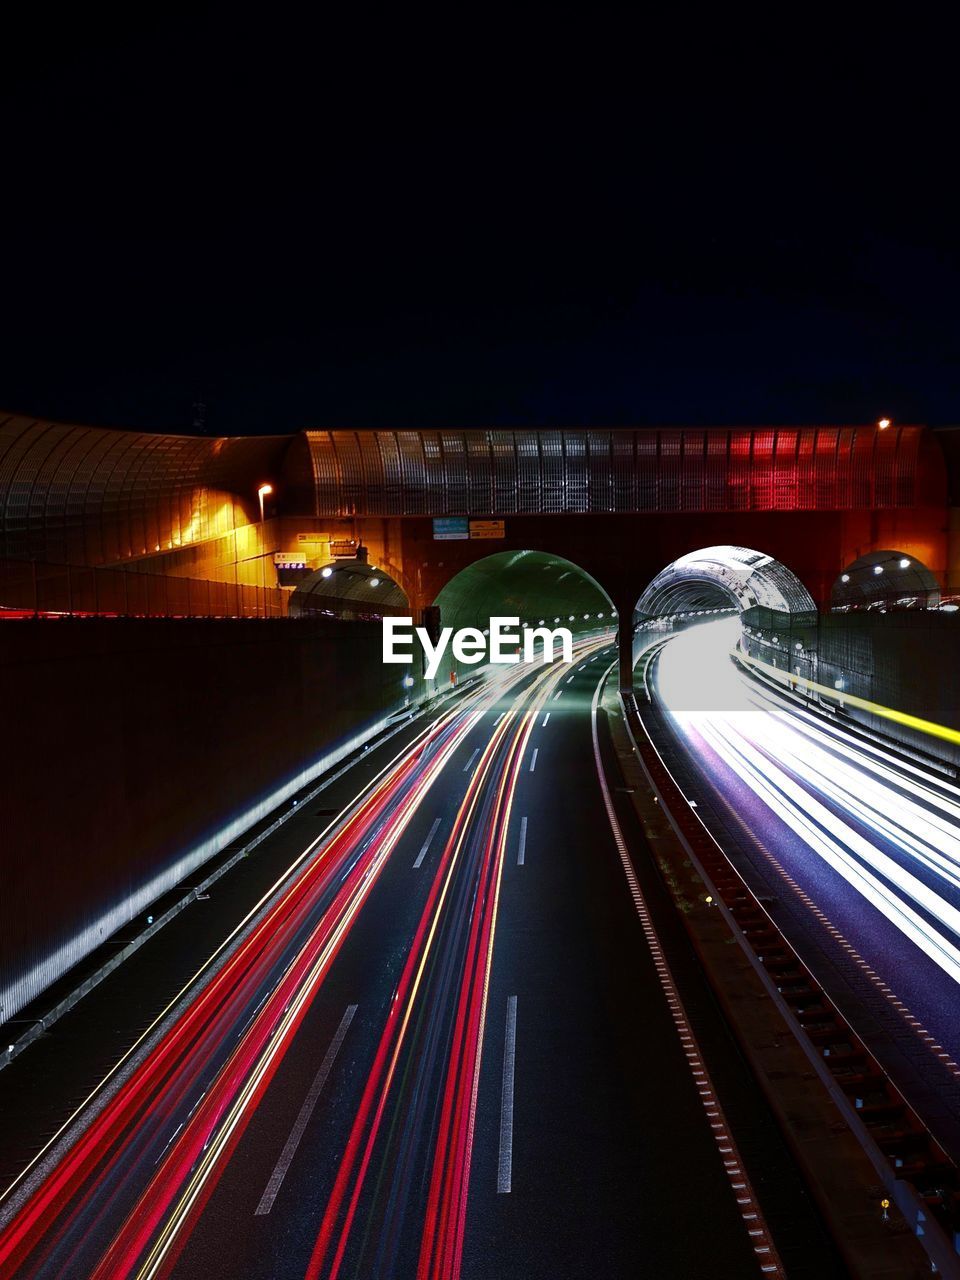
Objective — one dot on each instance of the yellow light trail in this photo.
(848, 699)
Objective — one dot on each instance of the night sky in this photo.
(499, 221)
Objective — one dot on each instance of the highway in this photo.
(854, 849)
(449, 1041)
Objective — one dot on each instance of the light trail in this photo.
(297, 936)
(442, 957)
(887, 829)
(126, 1191)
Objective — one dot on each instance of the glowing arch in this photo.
(725, 577)
(533, 586)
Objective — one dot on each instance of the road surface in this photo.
(447, 1044)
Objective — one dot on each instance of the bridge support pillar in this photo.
(625, 608)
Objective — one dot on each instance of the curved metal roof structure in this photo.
(95, 496)
(725, 575)
(89, 495)
(648, 469)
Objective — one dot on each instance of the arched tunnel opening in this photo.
(350, 590)
(884, 580)
(724, 577)
(541, 589)
(722, 597)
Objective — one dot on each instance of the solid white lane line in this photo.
(533, 759)
(546, 719)
(505, 1163)
(469, 765)
(303, 1119)
(522, 849)
(426, 844)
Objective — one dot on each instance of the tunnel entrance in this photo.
(538, 588)
(351, 590)
(724, 577)
(885, 580)
(775, 609)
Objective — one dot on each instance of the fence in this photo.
(33, 586)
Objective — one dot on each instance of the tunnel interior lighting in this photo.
(408, 682)
(325, 573)
(904, 563)
(878, 568)
(844, 577)
(374, 582)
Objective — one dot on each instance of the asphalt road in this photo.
(446, 1045)
(854, 848)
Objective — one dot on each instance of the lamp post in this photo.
(262, 492)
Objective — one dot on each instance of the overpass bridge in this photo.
(619, 504)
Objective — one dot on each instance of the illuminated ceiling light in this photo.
(904, 563)
(374, 582)
(541, 622)
(844, 577)
(586, 617)
(878, 568)
(599, 615)
(572, 618)
(883, 424)
(325, 573)
(556, 619)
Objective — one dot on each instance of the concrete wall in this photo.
(905, 660)
(136, 749)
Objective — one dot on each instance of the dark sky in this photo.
(403, 221)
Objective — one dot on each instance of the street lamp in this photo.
(883, 424)
(262, 492)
